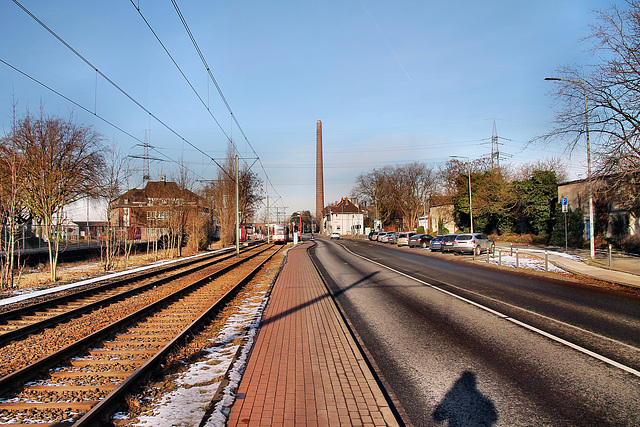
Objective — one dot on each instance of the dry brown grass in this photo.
(40, 278)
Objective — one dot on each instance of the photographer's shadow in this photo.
(465, 406)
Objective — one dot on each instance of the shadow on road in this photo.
(465, 406)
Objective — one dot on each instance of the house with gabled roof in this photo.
(616, 203)
(154, 205)
(344, 217)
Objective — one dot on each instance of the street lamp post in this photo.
(592, 246)
(299, 226)
(469, 167)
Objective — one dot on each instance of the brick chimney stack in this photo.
(319, 178)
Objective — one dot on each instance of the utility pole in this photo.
(237, 208)
(495, 149)
(592, 248)
(268, 221)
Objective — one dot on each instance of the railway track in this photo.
(88, 378)
(32, 317)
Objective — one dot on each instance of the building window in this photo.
(156, 215)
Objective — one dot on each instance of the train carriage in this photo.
(280, 233)
(247, 232)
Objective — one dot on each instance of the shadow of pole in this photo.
(465, 406)
(315, 300)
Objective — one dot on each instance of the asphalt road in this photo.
(462, 344)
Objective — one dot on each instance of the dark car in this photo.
(392, 238)
(421, 240)
(373, 235)
(447, 242)
(436, 243)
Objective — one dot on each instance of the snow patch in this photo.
(188, 404)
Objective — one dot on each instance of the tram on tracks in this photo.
(280, 233)
(247, 232)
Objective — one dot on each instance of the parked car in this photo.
(381, 235)
(403, 238)
(475, 243)
(392, 238)
(373, 235)
(335, 235)
(446, 244)
(421, 240)
(436, 243)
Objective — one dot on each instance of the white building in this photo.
(345, 217)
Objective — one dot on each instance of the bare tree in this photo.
(117, 173)
(553, 164)
(611, 91)
(12, 209)
(62, 162)
(401, 189)
(179, 210)
(222, 193)
(376, 189)
(251, 194)
(415, 183)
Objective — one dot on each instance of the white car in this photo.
(335, 235)
(403, 238)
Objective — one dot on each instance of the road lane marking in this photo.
(513, 320)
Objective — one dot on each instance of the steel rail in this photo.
(18, 378)
(100, 413)
(37, 326)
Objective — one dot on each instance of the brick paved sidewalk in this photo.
(305, 368)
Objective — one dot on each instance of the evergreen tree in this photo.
(575, 229)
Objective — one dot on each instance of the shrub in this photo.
(631, 244)
(525, 239)
(420, 230)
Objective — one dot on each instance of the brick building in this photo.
(155, 206)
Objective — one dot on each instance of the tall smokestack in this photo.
(319, 179)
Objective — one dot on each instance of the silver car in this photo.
(403, 238)
(382, 237)
(473, 243)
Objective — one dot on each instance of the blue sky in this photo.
(392, 82)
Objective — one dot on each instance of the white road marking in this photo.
(515, 321)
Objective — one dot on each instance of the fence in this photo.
(31, 238)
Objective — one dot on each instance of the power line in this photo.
(107, 78)
(224, 99)
(89, 111)
(204, 62)
(132, 99)
(180, 70)
(219, 89)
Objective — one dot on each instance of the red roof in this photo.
(343, 206)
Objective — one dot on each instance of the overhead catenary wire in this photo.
(181, 72)
(132, 99)
(210, 73)
(204, 62)
(98, 116)
(219, 89)
(125, 93)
